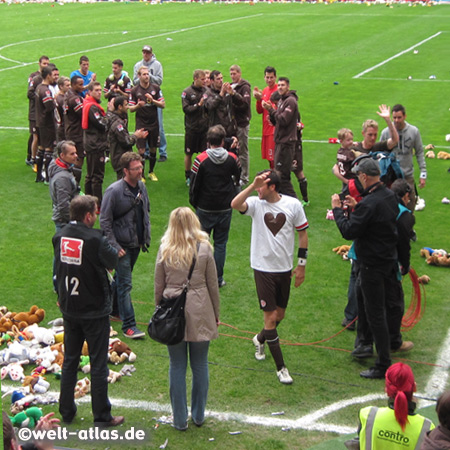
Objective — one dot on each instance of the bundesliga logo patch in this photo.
(71, 250)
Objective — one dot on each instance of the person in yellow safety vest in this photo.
(396, 426)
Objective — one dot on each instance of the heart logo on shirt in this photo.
(274, 223)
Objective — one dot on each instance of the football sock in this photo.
(303, 183)
(273, 342)
(30, 141)
(152, 162)
(261, 338)
(39, 162)
(47, 161)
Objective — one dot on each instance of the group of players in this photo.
(62, 108)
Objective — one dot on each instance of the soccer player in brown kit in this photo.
(276, 218)
(94, 123)
(195, 120)
(73, 110)
(45, 122)
(64, 86)
(118, 83)
(285, 117)
(243, 115)
(34, 80)
(145, 99)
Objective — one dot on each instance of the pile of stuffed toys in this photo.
(24, 343)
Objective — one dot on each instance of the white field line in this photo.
(313, 421)
(254, 138)
(397, 55)
(437, 383)
(168, 33)
(428, 80)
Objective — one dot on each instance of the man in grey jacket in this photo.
(125, 219)
(408, 142)
(63, 187)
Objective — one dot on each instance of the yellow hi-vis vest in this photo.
(381, 431)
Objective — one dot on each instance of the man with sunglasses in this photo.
(125, 219)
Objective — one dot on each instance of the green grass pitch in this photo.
(343, 60)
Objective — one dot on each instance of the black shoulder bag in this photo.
(168, 322)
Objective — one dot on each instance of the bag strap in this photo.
(192, 268)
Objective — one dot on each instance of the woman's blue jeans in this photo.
(198, 358)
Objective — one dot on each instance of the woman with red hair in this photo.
(396, 426)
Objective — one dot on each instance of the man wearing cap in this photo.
(156, 77)
(373, 227)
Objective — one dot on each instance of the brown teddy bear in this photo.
(120, 348)
(22, 319)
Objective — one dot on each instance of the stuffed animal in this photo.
(82, 387)
(443, 155)
(430, 154)
(36, 384)
(14, 370)
(330, 215)
(116, 359)
(127, 370)
(46, 357)
(116, 345)
(20, 401)
(436, 257)
(114, 376)
(22, 319)
(28, 418)
(59, 348)
(85, 364)
(34, 315)
(424, 279)
(342, 250)
(15, 352)
(41, 335)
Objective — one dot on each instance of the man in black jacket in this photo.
(82, 257)
(373, 227)
(215, 176)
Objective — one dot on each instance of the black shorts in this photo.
(152, 138)
(194, 143)
(273, 289)
(47, 137)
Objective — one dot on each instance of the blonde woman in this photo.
(183, 240)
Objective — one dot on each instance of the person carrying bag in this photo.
(185, 245)
(168, 322)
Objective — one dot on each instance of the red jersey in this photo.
(268, 128)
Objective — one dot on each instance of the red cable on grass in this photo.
(416, 308)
